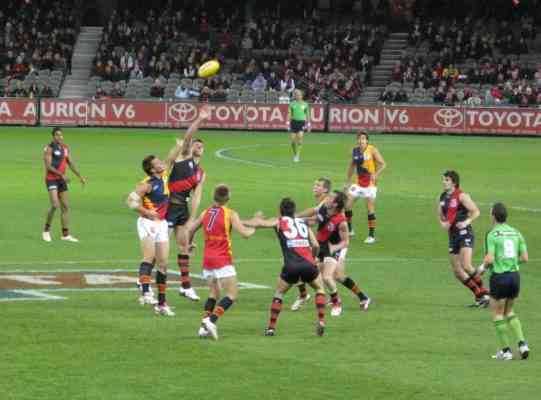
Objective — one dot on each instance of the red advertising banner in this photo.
(170, 114)
(344, 118)
(18, 112)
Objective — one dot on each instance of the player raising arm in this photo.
(185, 182)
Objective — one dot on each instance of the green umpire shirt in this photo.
(506, 244)
(299, 110)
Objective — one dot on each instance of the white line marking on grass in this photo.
(220, 154)
(36, 295)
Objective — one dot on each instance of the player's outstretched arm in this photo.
(308, 213)
(259, 222)
(245, 231)
(183, 145)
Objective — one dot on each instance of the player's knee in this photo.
(64, 207)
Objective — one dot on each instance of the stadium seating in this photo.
(335, 60)
(38, 39)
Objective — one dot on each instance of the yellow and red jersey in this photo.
(365, 165)
(216, 224)
(158, 197)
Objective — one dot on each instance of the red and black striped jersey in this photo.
(452, 209)
(184, 177)
(294, 240)
(328, 227)
(59, 159)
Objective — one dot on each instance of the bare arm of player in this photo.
(134, 201)
(344, 238)
(197, 193)
(204, 114)
(380, 163)
(195, 225)
(349, 174)
(48, 160)
(75, 170)
(473, 211)
(260, 222)
(245, 231)
(308, 213)
(313, 242)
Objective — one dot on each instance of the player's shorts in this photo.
(59, 185)
(505, 286)
(357, 192)
(460, 238)
(304, 272)
(177, 214)
(219, 273)
(297, 126)
(154, 229)
(324, 252)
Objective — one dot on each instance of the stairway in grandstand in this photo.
(83, 54)
(392, 52)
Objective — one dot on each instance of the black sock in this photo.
(161, 282)
(221, 308)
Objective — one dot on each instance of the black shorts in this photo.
(297, 126)
(324, 251)
(505, 286)
(305, 272)
(460, 238)
(59, 185)
(177, 214)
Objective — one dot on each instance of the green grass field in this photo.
(418, 341)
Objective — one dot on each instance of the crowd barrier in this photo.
(330, 117)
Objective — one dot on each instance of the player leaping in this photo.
(186, 184)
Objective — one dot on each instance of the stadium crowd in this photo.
(469, 61)
(36, 45)
(260, 54)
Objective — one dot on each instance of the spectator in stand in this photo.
(19, 91)
(387, 96)
(259, 84)
(401, 96)
(182, 93)
(157, 90)
(33, 91)
(117, 91)
(273, 83)
(205, 94)
(46, 91)
(497, 94)
(287, 84)
(439, 95)
(136, 73)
